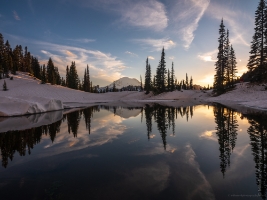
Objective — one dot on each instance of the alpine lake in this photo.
(135, 152)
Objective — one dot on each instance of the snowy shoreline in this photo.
(26, 95)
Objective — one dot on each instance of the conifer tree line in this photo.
(257, 64)
(15, 60)
(12, 60)
(225, 66)
(164, 80)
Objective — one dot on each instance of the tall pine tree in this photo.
(148, 82)
(257, 59)
(172, 79)
(161, 72)
(232, 66)
(221, 63)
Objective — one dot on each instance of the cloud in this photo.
(231, 18)
(186, 14)
(171, 57)
(209, 135)
(70, 54)
(146, 14)
(103, 66)
(149, 14)
(16, 16)
(82, 40)
(209, 56)
(156, 44)
(130, 53)
(151, 57)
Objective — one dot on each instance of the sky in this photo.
(114, 37)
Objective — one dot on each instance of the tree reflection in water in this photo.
(164, 117)
(24, 140)
(258, 137)
(226, 131)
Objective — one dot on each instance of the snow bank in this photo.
(23, 105)
(27, 122)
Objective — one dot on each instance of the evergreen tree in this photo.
(2, 49)
(227, 57)
(191, 83)
(184, 85)
(10, 64)
(258, 54)
(84, 80)
(91, 87)
(63, 82)
(87, 79)
(43, 77)
(186, 82)
(148, 78)
(168, 80)
(67, 76)
(36, 68)
(57, 77)
(73, 81)
(221, 63)
(161, 74)
(172, 79)
(232, 66)
(17, 58)
(50, 72)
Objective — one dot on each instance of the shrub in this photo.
(4, 86)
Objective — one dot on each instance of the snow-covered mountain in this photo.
(124, 82)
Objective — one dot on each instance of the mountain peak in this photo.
(125, 81)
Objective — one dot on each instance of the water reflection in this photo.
(129, 162)
(258, 137)
(226, 131)
(164, 117)
(24, 140)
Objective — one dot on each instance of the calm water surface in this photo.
(151, 152)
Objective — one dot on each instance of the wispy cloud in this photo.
(16, 16)
(231, 18)
(103, 66)
(149, 14)
(82, 40)
(171, 57)
(151, 57)
(156, 44)
(131, 54)
(208, 57)
(186, 14)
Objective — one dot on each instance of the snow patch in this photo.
(23, 105)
